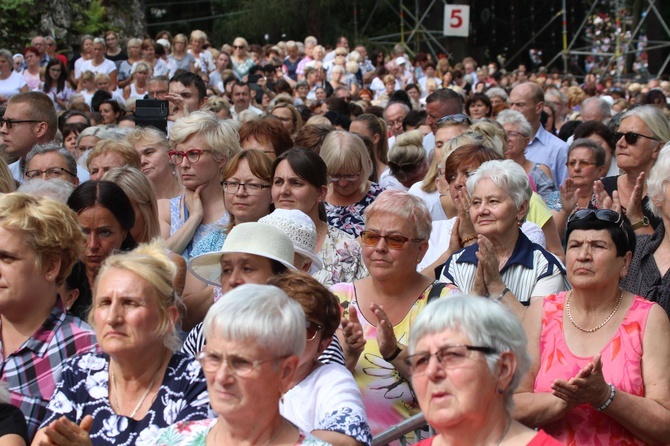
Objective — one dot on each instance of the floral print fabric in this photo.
(622, 366)
(84, 391)
(350, 218)
(342, 259)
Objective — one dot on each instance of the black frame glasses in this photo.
(349, 178)
(458, 118)
(393, 241)
(51, 172)
(10, 122)
(631, 137)
(192, 155)
(232, 187)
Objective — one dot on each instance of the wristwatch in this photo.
(641, 224)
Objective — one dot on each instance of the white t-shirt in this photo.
(106, 67)
(432, 200)
(389, 182)
(12, 85)
(327, 399)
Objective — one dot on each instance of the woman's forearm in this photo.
(647, 419)
(537, 409)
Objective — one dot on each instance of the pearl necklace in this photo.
(599, 326)
(146, 392)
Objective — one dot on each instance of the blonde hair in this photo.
(141, 192)
(149, 261)
(7, 183)
(221, 137)
(347, 152)
(126, 150)
(51, 229)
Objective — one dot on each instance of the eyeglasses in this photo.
(312, 329)
(395, 241)
(52, 172)
(581, 163)
(458, 118)
(192, 155)
(448, 357)
(606, 215)
(631, 137)
(232, 187)
(211, 363)
(512, 135)
(348, 178)
(10, 122)
(238, 47)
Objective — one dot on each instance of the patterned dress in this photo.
(350, 218)
(622, 366)
(84, 391)
(342, 259)
(201, 233)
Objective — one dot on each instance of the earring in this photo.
(500, 391)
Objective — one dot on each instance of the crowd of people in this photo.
(279, 261)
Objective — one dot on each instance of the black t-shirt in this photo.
(12, 421)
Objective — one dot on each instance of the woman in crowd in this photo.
(202, 58)
(375, 129)
(86, 48)
(110, 153)
(153, 147)
(31, 73)
(518, 130)
(183, 60)
(299, 181)
(642, 133)
(99, 64)
(40, 241)
(466, 394)
(289, 117)
(378, 311)
(600, 133)
(134, 47)
(609, 384)
(11, 82)
(323, 398)
(148, 50)
(265, 134)
(110, 111)
(241, 61)
(56, 85)
(648, 272)
(139, 85)
(139, 382)
(106, 216)
(478, 106)
(586, 164)
(71, 134)
(503, 263)
(350, 192)
(407, 162)
(201, 147)
(114, 51)
(255, 336)
(88, 139)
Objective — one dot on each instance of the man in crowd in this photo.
(242, 100)
(187, 93)
(394, 115)
(444, 102)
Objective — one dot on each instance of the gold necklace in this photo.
(599, 326)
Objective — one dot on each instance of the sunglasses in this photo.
(238, 47)
(312, 329)
(458, 118)
(394, 241)
(631, 137)
(606, 215)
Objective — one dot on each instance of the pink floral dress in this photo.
(622, 366)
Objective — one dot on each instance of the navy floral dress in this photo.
(350, 218)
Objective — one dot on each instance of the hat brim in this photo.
(316, 260)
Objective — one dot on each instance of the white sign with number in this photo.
(457, 20)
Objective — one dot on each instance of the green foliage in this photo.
(93, 18)
(17, 21)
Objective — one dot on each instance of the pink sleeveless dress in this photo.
(622, 366)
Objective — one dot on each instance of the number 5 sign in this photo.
(457, 20)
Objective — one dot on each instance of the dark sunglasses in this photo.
(631, 137)
(600, 214)
(312, 329)
(458, 118)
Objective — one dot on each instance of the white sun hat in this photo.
(300, 229)
(259, 239)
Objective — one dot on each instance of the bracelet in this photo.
(505, 291)
(468, 239)
(609, 400)
(395, 354)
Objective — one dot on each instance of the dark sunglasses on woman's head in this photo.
(600, 214)
(631, 137)
(458, 118)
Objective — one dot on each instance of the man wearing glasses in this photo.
(51, 162)
(30, 119)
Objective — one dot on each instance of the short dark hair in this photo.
(62, 119)
(188, 79)
(589, 128)
(622, 234)
(414, 118)
(307, 165)
(268, 130)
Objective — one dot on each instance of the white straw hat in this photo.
(249, 238)
(300, 229)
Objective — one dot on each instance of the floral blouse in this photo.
(342, 259)
(350, 218)
(194, 433)
(84, 391)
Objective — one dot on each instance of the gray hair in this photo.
(654, 118)
(515, 117)
(134, 42)
(41, 149)
(597, 105)
(556, 93)
(594, 147)
(485, 323)
(508, 176)
(659, 176)
(408, 207)
(84, 38)
(7, 55)
(59, 190)
(261, 314)
(98, 132)
(100, 41)
(221, 137)
(497, 92)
